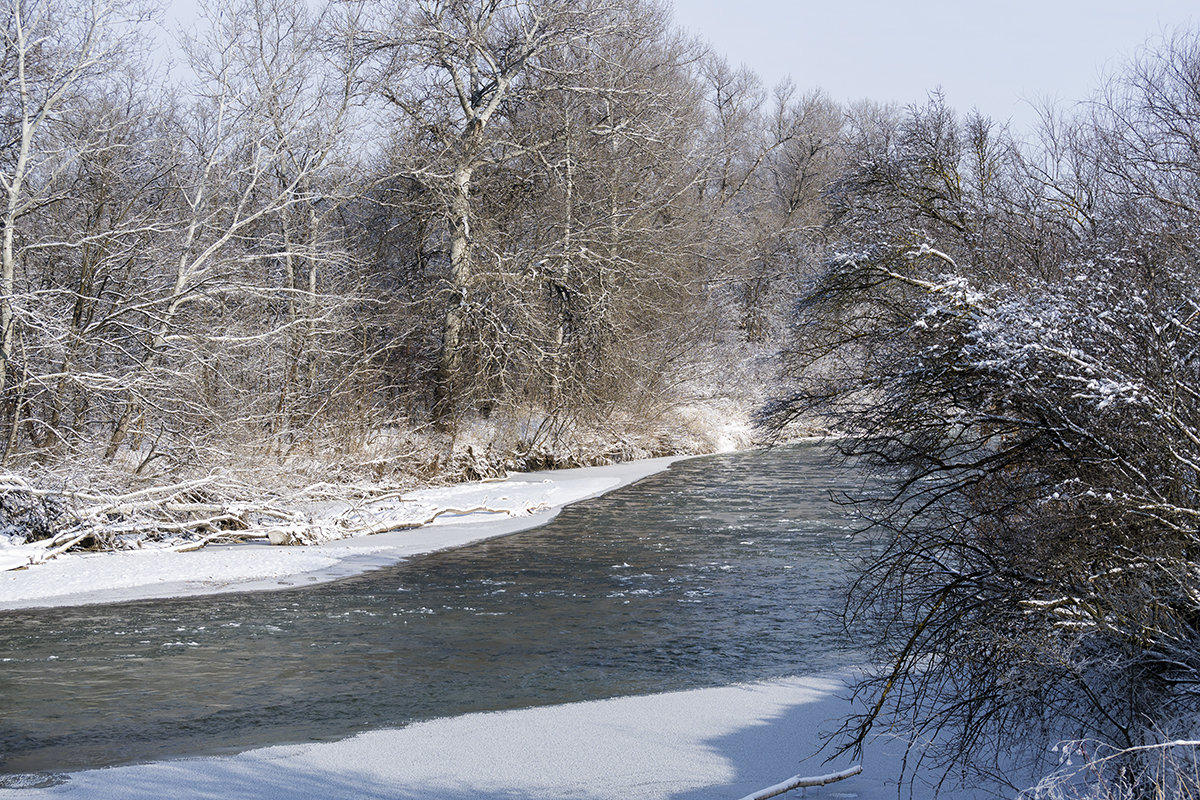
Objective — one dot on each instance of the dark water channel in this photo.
(723, 569)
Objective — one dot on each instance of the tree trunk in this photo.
(448, 385)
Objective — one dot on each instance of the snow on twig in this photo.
(799, 781)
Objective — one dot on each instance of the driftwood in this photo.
(208, 510)
(58, 547)
(195, 508)
(389, 526)
(799, 781)
(221, 536)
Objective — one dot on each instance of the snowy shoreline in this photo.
(723, 742)
(520, 502)
(719, 743)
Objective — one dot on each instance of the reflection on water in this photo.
(723, 569)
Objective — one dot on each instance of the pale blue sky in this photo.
(992, 56)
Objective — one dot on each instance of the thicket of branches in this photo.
(1010, 335)
(365, 232)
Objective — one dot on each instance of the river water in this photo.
(723, 569)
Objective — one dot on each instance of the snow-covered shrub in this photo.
(1087, 771)
(1018, 357)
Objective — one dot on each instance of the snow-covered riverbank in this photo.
(522, 501)
(706, 744)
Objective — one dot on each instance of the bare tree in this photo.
(456, 67)
(53, 54)
(251, 151)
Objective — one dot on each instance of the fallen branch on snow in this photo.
(206, 511)
(799, 781)
(392, 525)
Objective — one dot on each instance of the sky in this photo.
(1000, 57)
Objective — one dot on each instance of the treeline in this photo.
(540, 224)
(1009, 333)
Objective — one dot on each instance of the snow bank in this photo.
(523, 501)
(721, 743)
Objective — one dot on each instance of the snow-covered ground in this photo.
(706, 744)
(522, 501)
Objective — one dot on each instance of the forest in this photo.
(399, 242)
(368, 237)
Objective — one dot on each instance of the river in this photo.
(723, 569)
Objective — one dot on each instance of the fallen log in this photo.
(222, 536)
(390, 526)
(799, 781)
(59, 547)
